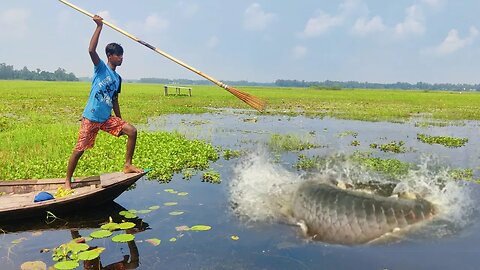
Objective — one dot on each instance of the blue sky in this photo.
(314, 40)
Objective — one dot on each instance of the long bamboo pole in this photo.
(251, 100)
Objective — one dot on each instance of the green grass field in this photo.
(39, 120)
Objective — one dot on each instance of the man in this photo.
(106, 86)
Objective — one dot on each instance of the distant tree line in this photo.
(7, 72)
(200, 82)
(337, 85)
(399, 85)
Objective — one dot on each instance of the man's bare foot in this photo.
(67, 185)
(131, 169)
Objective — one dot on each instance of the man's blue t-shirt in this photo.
(105, 87)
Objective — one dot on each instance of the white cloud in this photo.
(453, 42)
(363, 26)
(212, 42)
(256, 19)
(321, 24)
(412, 24)
(299, 52)
(13, 22)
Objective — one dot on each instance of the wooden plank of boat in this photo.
(17, 203)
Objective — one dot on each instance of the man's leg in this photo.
(131, 132)
(72, 164)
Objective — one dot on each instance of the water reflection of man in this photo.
(131, 261)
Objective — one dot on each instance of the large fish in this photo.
(341, 216)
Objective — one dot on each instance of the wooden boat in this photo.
(17, 201)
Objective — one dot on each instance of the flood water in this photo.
(246, 205)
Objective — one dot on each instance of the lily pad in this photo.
(34, 265)
(170, 203)
(126, 225)
(145, 211)
(182, 194)
(122, 238)
(173, 239)
(182, 228)
(154, 241)
(200, 228)
(101, 234)
(175, 213)
(112, 226)
(90, 254)
(170, 190)
(77, 247)
(66, 265)
(129, 215)
(234, 237)
(154, 207)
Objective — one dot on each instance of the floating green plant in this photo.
(394, 147)
(442, 140)
(188, 173)
(354, 134)
(229, 154)
(154, 207)
(123, 238)
(101, 233)
(170, 203)
(33, 265)
(154, 241)
(281, 143)
(126, 225)
(309, 163)
(66, 265)
(128, 214)
(176, 213)
(389, 167)
(90, 254)
(211, 177)
(171, 190)
(66, 255)
(200, 228)
(111, 226)
(461, 174)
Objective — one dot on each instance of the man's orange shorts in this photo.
(89, 130)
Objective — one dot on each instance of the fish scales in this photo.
(335, 215)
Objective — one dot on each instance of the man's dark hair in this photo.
(114, 48)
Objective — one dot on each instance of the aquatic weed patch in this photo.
(442, 140)
(394, 147)
(280, 143)
(389, 167)
(45, 156)
(392, 168)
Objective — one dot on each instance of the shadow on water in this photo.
(244, 211)
(70, 227)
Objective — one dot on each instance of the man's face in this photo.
(115, 59)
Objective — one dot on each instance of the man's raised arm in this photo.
(92, 49)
